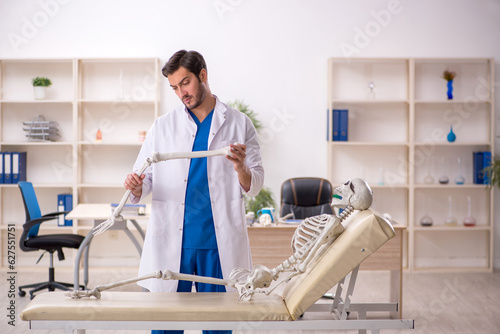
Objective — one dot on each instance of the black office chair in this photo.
(306, 197)
(31, 241)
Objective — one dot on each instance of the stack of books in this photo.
(481, 160)
(339, 124)
(12, 167)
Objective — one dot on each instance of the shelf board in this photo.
(442, 228)
(116, 101)
(40, 185)
(101, 185)
(45, 227)
(366, 143)
(453, 144)
(117, 60)
(36, 143)
(452, 60)
(450, 186)
(334, 101)
(41, 60)
(35, 101)
(86, 143)
(450, 101)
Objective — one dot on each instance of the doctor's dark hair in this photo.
(191, 60)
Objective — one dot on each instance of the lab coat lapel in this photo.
(218, 120)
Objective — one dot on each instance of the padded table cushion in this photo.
(165, 306)
(364, 233)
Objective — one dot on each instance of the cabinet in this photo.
(399, 118)
(119, 97)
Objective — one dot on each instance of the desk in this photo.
(272, 245)
(99, 213)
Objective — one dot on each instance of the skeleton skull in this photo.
(355, 192)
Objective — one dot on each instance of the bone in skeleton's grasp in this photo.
(155, 158)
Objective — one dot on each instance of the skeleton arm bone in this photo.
(155, 158)
(96, 292)
(167, 275)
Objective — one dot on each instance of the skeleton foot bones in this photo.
(307, 242)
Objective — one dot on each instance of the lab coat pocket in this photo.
(158, 220)
(238, 215)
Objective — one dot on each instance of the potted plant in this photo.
(264, 199)
(493, 172)
(40, 85)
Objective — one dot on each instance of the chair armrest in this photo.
(55, 214)
(29, 224)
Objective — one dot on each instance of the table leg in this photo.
(83, 247)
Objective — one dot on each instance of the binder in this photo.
(477, 170)
(64, 203)
(486, 163)
(7, 167)
(68, 206)
(2, 179)
(335, 125)
(343, 122)
(18, 167)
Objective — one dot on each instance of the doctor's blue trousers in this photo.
(201, 262)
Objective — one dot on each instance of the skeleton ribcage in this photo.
(307, 233)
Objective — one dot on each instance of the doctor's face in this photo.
(188, 88)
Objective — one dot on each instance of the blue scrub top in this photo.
(199, 231)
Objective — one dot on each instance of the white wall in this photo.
(272, 54)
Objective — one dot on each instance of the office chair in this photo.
(31, 241)
(306, 197)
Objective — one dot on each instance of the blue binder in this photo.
(335, 124)
(477, 169)
(2, 179)
(64, 203)
(486, 163)
(18, 167)
(344, 122)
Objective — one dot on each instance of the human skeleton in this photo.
(308, 240)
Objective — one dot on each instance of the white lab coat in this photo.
(167, 180)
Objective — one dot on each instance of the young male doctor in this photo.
(197, 223)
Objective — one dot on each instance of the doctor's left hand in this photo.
(238, 159)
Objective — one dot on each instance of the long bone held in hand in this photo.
(307, 242)
(155, 158)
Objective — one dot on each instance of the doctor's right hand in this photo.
(133, 182)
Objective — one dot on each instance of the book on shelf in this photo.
(481, 160)
(340, 122)
(12, 167)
